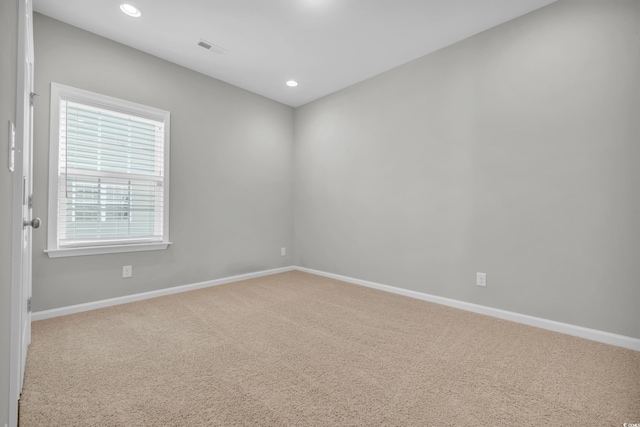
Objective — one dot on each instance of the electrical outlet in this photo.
(283, 251)
(127, 271)
(481, 279)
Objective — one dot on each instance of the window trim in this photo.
(68, 93)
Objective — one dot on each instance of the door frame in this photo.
(24, 113)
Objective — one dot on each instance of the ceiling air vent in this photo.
(212, 47)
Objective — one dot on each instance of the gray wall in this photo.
(514, 152)
(8, 82)
(231, 171)
(511, 153)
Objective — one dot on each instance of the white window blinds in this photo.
(111, 176)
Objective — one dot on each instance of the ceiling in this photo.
(325, 45)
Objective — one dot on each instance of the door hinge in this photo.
(29, 304)
(32, 97)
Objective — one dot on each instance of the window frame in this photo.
(67, 93)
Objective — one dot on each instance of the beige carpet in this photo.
(295, 349)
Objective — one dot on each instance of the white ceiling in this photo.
(325, 45)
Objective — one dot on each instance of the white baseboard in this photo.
(62, 311)
(565, 328)
(551, 325)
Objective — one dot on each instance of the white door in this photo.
(23, 221)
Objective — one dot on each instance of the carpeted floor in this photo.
(295, 349)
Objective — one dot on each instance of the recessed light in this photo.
(292, 83)
(130, 10)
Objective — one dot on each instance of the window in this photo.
(108, 175)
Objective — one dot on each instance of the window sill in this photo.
(111, 249)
